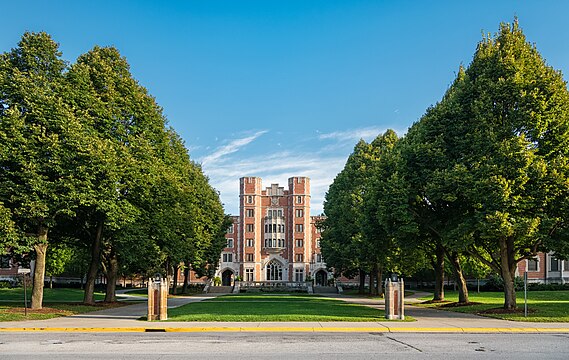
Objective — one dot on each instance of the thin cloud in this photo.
(230, 148)
(354, 134)
(276, 167)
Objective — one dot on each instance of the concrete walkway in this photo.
(125, 319)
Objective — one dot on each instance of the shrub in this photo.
(496, 283)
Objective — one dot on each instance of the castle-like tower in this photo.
(274, 238)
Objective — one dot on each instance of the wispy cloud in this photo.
(275, 164)
(367, 134)
(230, 148)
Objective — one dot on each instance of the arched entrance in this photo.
(321, 278)
(226, 277)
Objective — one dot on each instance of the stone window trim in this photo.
(530, 262)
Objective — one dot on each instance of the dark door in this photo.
(226, 278)
(321, 278)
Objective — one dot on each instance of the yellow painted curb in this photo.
(296, 329)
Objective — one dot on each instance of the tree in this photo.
(45, 143)
(517, 158)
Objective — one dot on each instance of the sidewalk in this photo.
(124, 319)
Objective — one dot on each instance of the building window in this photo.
(249, 212)
(281, 243)
(318, 258)
(249, 199)
(249, 227)
(231, 229)
(249, 243)
(229, 243)
(299, 257)
(298, 275)
(299, 199)
(299, 228)
(532, 264)
(299, 243)
(249, 275)
(318, 243)
(566, 265)
(554, 264)
(5, 262)
(299, 213)
(318, 229)
(280, 212)
(228, 257)
(274, 270)
(249, 257)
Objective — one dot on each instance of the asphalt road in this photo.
(249, 346)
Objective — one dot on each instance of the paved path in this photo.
(124, 319)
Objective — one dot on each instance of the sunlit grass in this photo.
(544, 306)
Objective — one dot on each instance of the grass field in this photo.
(57, 302)
(274, 308)
(49, 295)
(544, 306)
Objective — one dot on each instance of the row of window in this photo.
(273, 213)
(554, 264)
(249, 199)
(228, 257)
(274, 228)
(300, 243)
(273, 243)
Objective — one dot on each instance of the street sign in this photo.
(24, 271)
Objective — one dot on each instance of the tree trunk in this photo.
(439, 265)
(175, 284)
(508, 273)
(112, 276)
(361, 289)
(460, 281)
(186, 278)
(371, 290)
(89, 295)
(380, 281)
(39, 270)
(372, 278)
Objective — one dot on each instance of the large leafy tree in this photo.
(127, 127)
(512, 114)
(42, 145)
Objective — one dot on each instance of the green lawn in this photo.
(247, 307)
(544, 306)
(57, 302)
(49, 295)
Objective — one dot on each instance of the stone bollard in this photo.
(394, 297)
(157, 298)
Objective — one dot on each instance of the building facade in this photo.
(545, 268)
(274, 238)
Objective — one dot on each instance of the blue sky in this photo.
(286, 88)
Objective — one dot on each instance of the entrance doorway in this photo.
(226, 277)
(321, 278)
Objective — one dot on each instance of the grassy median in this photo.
(543, 306)
(274, 308)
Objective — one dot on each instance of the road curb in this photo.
(285, 329)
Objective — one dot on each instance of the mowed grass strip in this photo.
(57, 302)
(544, 306)
(240, 308)
(49, 295)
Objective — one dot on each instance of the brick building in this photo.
(274, 238)
(545, 268)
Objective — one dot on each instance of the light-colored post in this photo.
(164, 285)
